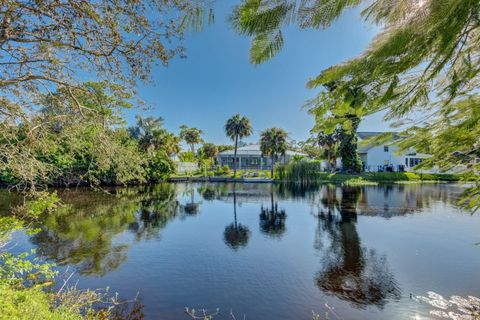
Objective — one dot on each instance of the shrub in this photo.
(160, 167)
(223, 170)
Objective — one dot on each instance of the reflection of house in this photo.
(386, 157)
(250, 157)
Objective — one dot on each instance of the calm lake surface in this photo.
(264, 251)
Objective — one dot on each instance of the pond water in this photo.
(265, 251)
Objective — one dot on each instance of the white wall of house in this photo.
(380, 156)
(186, 167)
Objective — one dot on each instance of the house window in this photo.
(385, 148)
(415, 161)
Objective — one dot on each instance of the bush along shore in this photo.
(309, 173)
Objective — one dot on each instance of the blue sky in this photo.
(216, 80)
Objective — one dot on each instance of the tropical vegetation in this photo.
(273, 143)
(192, 136)
(237, 128)
(424, 62)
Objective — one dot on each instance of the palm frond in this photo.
(265, 46)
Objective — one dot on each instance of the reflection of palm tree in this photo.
(350, 271)
(192, 207)
(236, 235)
(208, 192)
(272, 220)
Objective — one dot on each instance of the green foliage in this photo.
(43, 203)
(208, 151)
(223, 170)
(237, 128)
(303, 172)
(309, 173)
(187, 156)
(92, 147)
(273, 142)
(150, 134)
(192, 136)
(423, 62)
(87, 147)
(347, 150)
(206, 167)
(160, 167)
(224, 147)
(31, 303)
(53, 128)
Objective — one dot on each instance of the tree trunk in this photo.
(192, 147)
(348, 148)
(273, 164)
(235, 158)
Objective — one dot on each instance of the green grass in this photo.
(309, 173)
(379, 177)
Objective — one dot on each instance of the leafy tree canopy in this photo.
(425, 62)
(47, 48)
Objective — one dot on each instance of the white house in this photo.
(250, 157)
(386, 157)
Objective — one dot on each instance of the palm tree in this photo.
(192, 136)
(145, 130)
(150, 134)
(237, 128)
(329, 142)
(273, 142)
(208, 150)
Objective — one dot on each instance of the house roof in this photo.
(253, 149)
(363, 135)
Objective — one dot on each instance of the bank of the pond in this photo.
(220, 179)
(366, 178)
(374, 178)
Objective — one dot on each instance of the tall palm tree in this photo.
(237, 128)
(192, 136)
(150, 134)
(273, 142)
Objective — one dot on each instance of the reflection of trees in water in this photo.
(213, 191)
(385, 200)
(349, 271)
(272, 220)
(155, 212)
(191, 207)
(83, 232)
(236, 235)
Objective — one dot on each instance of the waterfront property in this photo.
(380, 158)
(250, 157)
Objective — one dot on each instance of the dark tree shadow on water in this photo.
(236, 235)
(350, 271)
(192, 207)
(83, 233)
(272, 219)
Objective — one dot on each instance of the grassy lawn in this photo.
(373, 178)
(366, 178)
